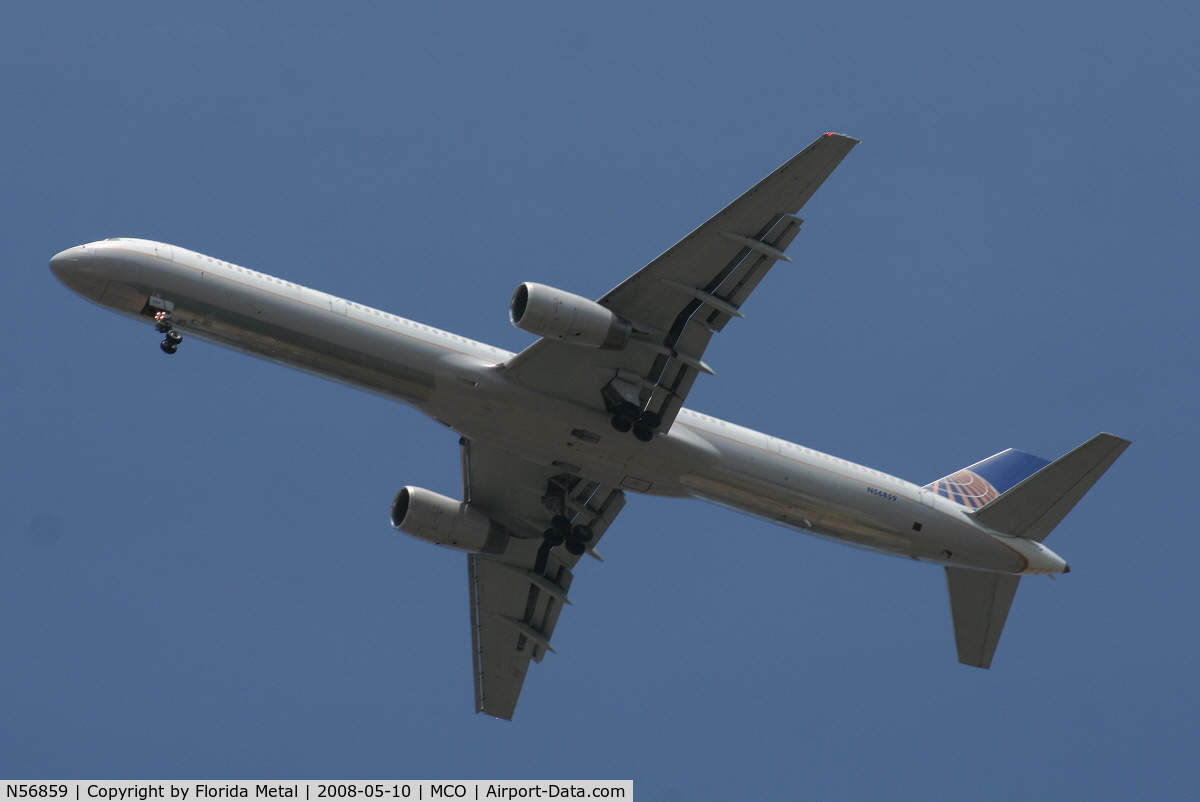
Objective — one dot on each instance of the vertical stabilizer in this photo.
(976, 485)
(979, 602)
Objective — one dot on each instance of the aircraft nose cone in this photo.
(76, 269)
(65, 265)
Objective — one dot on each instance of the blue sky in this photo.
(196, 571)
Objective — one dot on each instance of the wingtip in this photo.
(497, 716)
(842, 136)
(985, 665)
(1116, 437)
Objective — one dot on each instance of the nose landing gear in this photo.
(172, 338)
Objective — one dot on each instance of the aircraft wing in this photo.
(676, 302)
(516, 596)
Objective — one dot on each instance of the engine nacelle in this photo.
(560, 315)
(446, 522)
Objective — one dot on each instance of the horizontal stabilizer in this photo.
(1036, 505)
(979, 602)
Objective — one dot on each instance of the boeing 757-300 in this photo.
(553, 438)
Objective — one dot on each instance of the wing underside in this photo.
(680, 299)
(516, 597)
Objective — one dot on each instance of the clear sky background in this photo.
(197, 577)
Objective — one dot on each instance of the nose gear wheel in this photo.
(162, 323)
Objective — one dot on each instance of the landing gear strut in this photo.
(172, 338)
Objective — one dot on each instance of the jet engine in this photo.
(446, 522)
(560, 315)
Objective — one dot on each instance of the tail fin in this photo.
(979, 602)
(978, 484)
(1035, 505)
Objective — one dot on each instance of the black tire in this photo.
(576, 547)
(174, 336)
(643, 433)
(168, 347)
(553, 536)
(621, 423)
(561, 524)
(651, 420)
(583, 534)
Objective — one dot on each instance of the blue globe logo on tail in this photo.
(965, 487)
(976, 485)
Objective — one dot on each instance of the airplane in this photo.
(554, 437)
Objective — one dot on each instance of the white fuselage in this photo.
(464, 385)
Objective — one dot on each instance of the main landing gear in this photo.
(628, 416)
(172, 338)
(562, 532)
(575, 538)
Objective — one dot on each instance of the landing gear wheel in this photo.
(174, 336)
(553, 536)
(576, 547)
(168, 347)
(651, 420)
(621, 423)
(583, 534)
(561, 524)
(643, 433)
